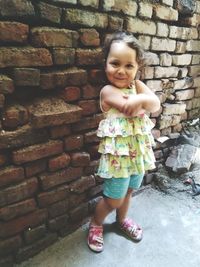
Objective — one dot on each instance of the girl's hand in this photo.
(133, 106)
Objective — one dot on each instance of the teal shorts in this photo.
(118, 187)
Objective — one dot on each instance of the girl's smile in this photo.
(121, 65)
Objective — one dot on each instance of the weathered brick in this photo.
(89, 37)
(53, 37)
(85, 18)
(33, 249)
(18, 192)
(90, 92)
(194, 70)
(181, 60)
(89, 3)
(165, 72)
(88, 56)
(162, 29)
(184, 94)
(195, 59)
(61, 79)
(73, 142)
(64, 176)
(180, 47)
(145, 10)
(35, 152)
(187, 82)
(165, 59)
(165, 13)
(170, 109)
(19, 224)
(89, 107)
(70, 94)
(18, 209)
(13, 32)
(168, 2)
(11, 175)
(93, 151)
(192, 114)
(145, 41)
(3, 159)
(80, 159)
(63, 56)
(115, 23)
(152, 58)
(49, 12)
(193, 45)
(60, 131)
(192, 21)
(140, 26)
(10, 245)
(2, 102)
(35, 167)
(47, 198)
(58, 208)
(163, 44)
(23, 136)
(16, 9)
(82, 184)
(24, 57)
(192, 104)
(167, 121)
(26, 76)
(196, 81)
(127, 7)
(7, 261)
(183, 33)
(31, 235)
(14, 116)
(95, 190)
(53, 111)
(59, 162)
(147, 73)
(6, 85)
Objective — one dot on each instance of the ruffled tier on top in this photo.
(126, 146)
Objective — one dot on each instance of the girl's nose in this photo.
(121, 71)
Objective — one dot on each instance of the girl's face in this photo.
(121, 65)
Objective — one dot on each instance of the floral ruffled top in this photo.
(126, 144)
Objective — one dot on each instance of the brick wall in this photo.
(50, 77)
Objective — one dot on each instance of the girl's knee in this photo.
(114, 203)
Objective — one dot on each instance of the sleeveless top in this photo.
(125, 144)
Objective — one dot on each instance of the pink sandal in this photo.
(131, 229)
(95, 238)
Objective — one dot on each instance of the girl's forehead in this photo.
(121, 49)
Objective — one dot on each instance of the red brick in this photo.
(79, 213)
(91, 168)
(26, 76)
(33, 249)
(76, 199)
(10, 175)
(31, 235)
(88, 56)
(58, 223)
(89, 37)
(35, 167)
(97, 76)
(91, 91)
(18, 209)
(18, 192)
(93, 151)
(59, 162)
(47, 198)
(60, 131)
(67, 175)
(10, 245)
(89, 107)
(35, 152)
(20, 224)
(58, 208)
(73, 142)
(2, 100)
(3, 159)
(13, 32)
(155, 133)
(70, 94)
(80, 159)
(91, 137)
(86, 124)
(96, 190)
(82, 184)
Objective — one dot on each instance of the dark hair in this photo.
(127, 38)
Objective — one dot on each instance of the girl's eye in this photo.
(130, 66)
(114, 64)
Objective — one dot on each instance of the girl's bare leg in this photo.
(103, 208)
(123, 209)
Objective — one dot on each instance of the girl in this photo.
(125, 134)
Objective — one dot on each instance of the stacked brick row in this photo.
(50, 78)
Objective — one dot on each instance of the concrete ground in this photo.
(171, 226)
